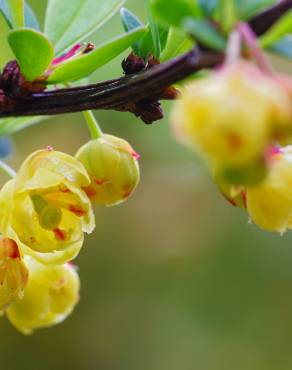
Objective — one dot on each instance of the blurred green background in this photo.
(174, 279)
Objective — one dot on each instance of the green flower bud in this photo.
(113, 168)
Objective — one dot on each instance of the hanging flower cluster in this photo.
(240, 120)
(44, 212)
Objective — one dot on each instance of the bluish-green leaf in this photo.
(209, 6)
(11, 125)
(178, 42)
(204, 32)
(130, 23)
(82, 66)
(173, 12)
(70, 21)
(32, 50)
(283, 47)
(278, 30)
(29, 16)
(17, 12)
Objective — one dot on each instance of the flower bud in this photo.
(45, 209)
(13, 273)
(270, 202)
(49, 297)
(112, 165)
(233, 115)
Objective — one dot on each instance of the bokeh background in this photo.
(174, 279)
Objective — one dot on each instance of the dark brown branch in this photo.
(265, 20)
(140, 87)
(116, 93)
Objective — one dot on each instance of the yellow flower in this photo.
(44, 208)
(13, 273)
(113, 168)
(270, 203)
(233, 115)
(49, 297)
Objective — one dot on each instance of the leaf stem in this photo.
(93, 126)
(5, 168)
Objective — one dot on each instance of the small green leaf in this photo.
(82, 66)
(228, 15)
(204, 32)
(32, 50)
(249, 8)
(69, 21)
(277, 31)
(153, 27)
(17, 12)
(130, 23)
(173, 12)
(30, 18)
(209, 6)
(178, 42)
(11, 125)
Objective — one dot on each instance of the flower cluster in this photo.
(44, 212)
(237, 119)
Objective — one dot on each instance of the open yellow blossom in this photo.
(270, 202)
(13, 273)
(44, 208)
(233, 115)
(112, 165)
(49, 297)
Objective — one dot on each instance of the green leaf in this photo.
(209, 6)
(17, 12)
(11, 125)
(70, 21)
(130, 23)
(32, 50)
(204, 32)
(154, 31)
(29, 16)
(173, 12)
(178, 42)
(82, 66)
(277, 31)
(283, 47)
(249, 8)
(228, 15)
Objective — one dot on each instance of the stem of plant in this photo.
(5, 168)
(93, 126)
(251, 41)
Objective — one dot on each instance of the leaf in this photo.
(173, 12)
(82, 66)
(69, 21)
(11, 125)
(17, 12)
(204, 32)
(130, 23)
(209, 6)
(178, 42)
(32, 50)
(29, 16)
(154, 31)
(283, 47)
(277, 31)
(249, 8)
